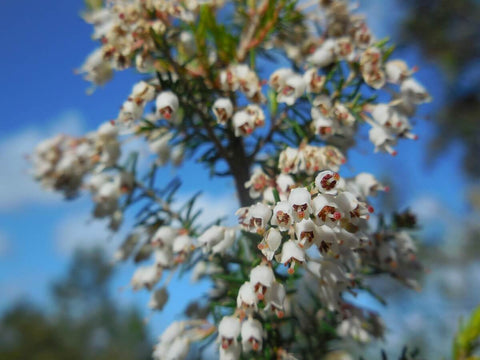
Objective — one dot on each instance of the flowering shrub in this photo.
(272, 93)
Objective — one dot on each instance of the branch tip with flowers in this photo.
(304, 241)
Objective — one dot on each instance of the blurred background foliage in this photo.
(448, 32)
(83, 322)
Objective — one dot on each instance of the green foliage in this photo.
(93, 4)
(467, 339)
(84, 323)
(448, 33)
(209, 28)
(405, 355)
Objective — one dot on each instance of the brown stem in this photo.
(234, 154)
(240, 167)
(249, 31)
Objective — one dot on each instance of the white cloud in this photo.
(214, 206)
(80, 230)
(17, 187)
(429, 208)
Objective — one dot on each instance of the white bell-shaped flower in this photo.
(261, 277)
(257, 115)
(325, 210)
(223, 110)
(228, 331)
(348, 203)
(326, 182)
(412, 89)
(371, 67)
(284, 183)
(268, 195)
(299, 200)
(106, 200)
(270, 243)
(143, 91)
(110, 153)
(179, 349)
(226, 243)
(324, 126)
(293, 89)
(107, 131)
(405, 245)
(173, 331)
(278, 78)
(387, 256)
(247, 80)
(331, 272)
(382, 114)
(260, 215)
(306, 233)
(233, 352)
(345, 49)
(211, 237)
(96, 69)
(321, 105)
(145, 276)
(274, 299)
(396, 71)
(292, 254)
(341, 113)
(282, 215)
(164, 236)
(182, 246)
(353, 328)
(257, 183)
(366, 185)
(363, 38)
(332, 157)
(383, 139)
(163, 257)
(130, 111)
(314, 81)
(228, 79)
(252, 335)
(243, 215)
(108, 191)
(324, 55)
(347, 239)
(327, 239)
(167, 105)
(96, 181)
(288, 161)
(243, 123)
(247, 298)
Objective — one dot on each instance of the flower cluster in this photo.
(60, 163)
(242, 78)
(330, 217)
(171, 247)
(124, 30)
(310, 159)
(283, 135)
(175, 341)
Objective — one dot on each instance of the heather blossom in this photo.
(282, 137)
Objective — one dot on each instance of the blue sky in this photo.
(42, 43)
